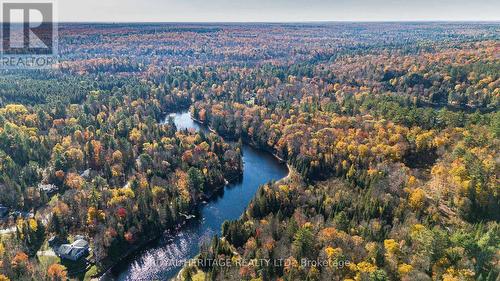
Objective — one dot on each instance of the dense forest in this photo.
(391, 132)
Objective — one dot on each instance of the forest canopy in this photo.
(391, 132)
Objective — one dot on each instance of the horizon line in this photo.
(274, 22)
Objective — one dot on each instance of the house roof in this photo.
(85, 173)
(80, 243)
(47, 187)
(78, 237)
(73, 249)
(65, 249)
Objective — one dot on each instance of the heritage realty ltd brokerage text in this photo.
(288, 262)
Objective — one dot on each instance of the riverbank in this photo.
(292, 173)
(152, 261)
(150, 238)
(245, 140)
(167, 233)
(131, 252)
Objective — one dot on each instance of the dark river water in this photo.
(159, 261)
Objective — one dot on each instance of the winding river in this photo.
(160, 260)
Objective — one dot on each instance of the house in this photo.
(48, 188)
(85, 174)
(75, 250)
(22, 214)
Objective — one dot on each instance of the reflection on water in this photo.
(158, 262)
(183, 121)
